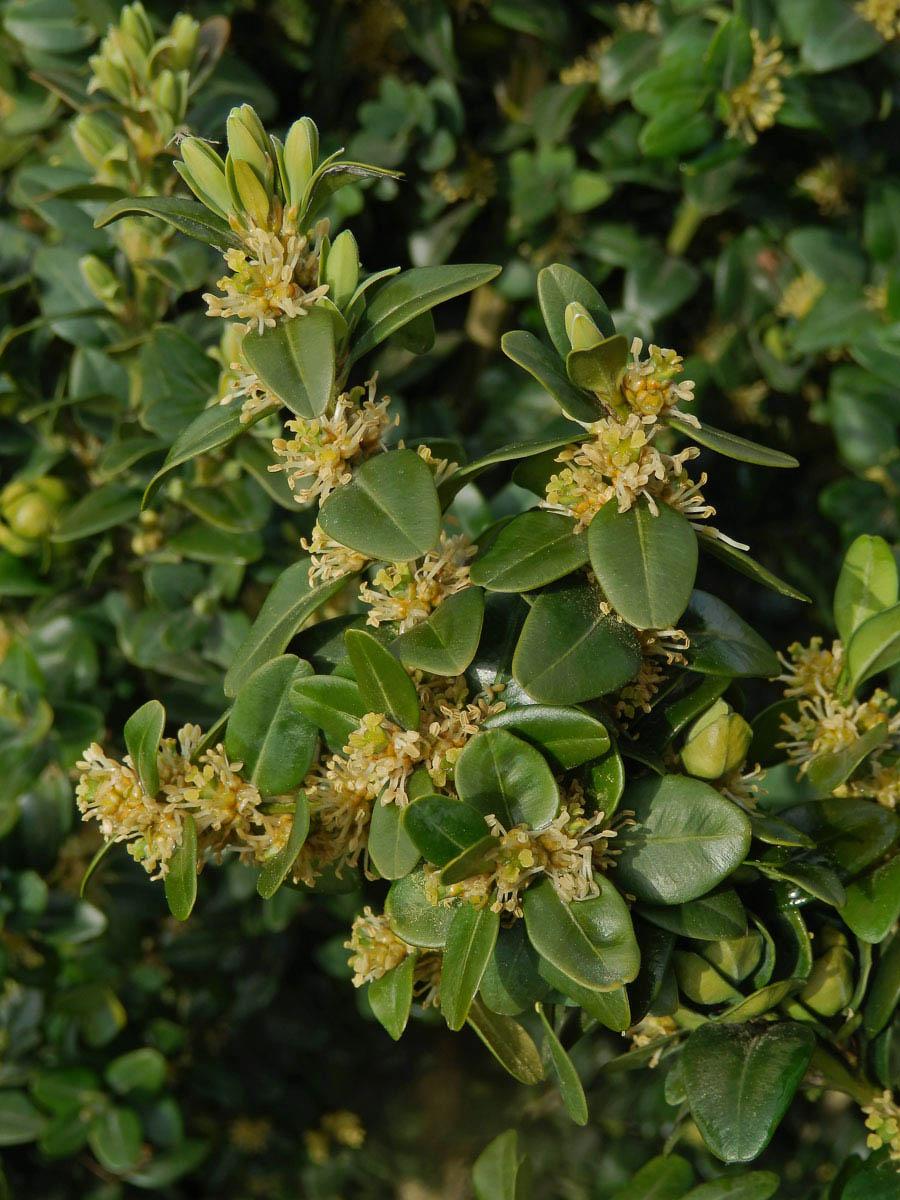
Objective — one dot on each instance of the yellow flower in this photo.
(409, 594)
(329, 559)
(883, 1120)
(649, 386)
(800, 295)
(375, 947)
(827, 184)
(649, 1030)
(656, 644)
(883, 14)
(323, 452)
(754, 103)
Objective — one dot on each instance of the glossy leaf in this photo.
(662, 1178)
(645, 564)
(106, 506)
(558, 286)
(288, 605)
(873, 901)
(331, 702)
(758, 1185)
(874, 646)
(187, 216)
(444, 643)
(391, 849)
(389, 510)
(267, 732)
(512, 1047)
(733, 446)
(275, 870)
(570, 651)
(534, 549)
(471, 937)
(740, 1081)
(612, 1009)
(867, 584)
(722, 643)
(181, 878)
(686, 839)
(391, 996)
(590, 941)
(143, 729)
(296, 361)
(116, 1137)
(442, 827)
(412, 915)
(498, 773)
(567, 736)
(742, 562)
(411, 293)
(383, 682)
(496, 1170)
(533, 356)
(570, 1086)
(828, 771)
(213, 428)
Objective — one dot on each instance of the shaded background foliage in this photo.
(521, 130)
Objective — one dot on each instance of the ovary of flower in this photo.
(883, 14)
(648, 386)
(754, 104)
(323, 452)
(409, 594)
(275, 275)
(226, 808)
(330, 560)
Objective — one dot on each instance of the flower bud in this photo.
(184, 34)
(716, 743)
(95, 139)
(134, 22)
(735, 957)
(699, 980)
(247, 192)
(169, 92)
(582, 333)
(830, 984)
(247, 140)
(102, 281)
(342, 269)
(301, 155)
(29, 509)
(204, 172)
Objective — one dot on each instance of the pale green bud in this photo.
(110, 77)
(717, 742)
(95, 139)
(247, 140)
(30, 509)
(582, 333)
(829, 987)
(135, 24)
(342, 269)
(169, 93)
(184, 35)
(248, 193)
(735, 957)
(699, 980)
(104, 284)
(204, 172)
(301, 154)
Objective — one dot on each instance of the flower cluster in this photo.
(883, 14)
(659, 648)
(883, 1123)
(754, 104)
(620, 461)
(274, 275)
(409, 593)
(228, 811)
(800, 295)
(376, 949)
(376, 764)
(825, 722)
(322, 453)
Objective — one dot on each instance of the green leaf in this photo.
(722, 643)
(740, 1080)
(391, 849)
(442, 827)
(472, 861)
(288, 605)
(391, 996)
(116, 1136)
(496, 1169)
(828, 771)
(837, 36)
(142, 1070)
(874, 646)
(686, 839)
(413, 917)
(758, 1185)
(733, 446)
(187, 216)
(883, 995)
(444, 643)
(106, 506)
(383, 682)
(143, 729)
(533, 356)
(332, 703)
(708, 918)
(662, 1178)
(740, 561)
(181, 877)
(454, 483)
(500, 774)
(567, 736)
(410, 293)
(471, 938)
(569, 1084)
(611, 1009)
(329, 178)
(275, 869)
(295, 361)
(645, 564)
(867, 584)
(512, 982)
(590, 941)
(213, 428)
(508, 1042)
(569, 650)
(873, 901)
(558, 286)
(20, 1121)
(389, 510)
(267, 733)
(599, 369)
(534, 549)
